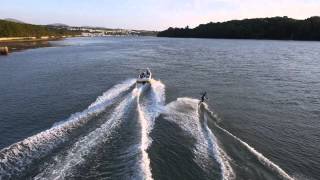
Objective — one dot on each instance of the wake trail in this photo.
(148, 112)
(19, 156)
(186, 113)
(220, 155)
(64, 164)
(261, 158)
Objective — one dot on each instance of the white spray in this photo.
(265, 161)
(17, 157)
(187, 109)
(64, 164)
(147, 115)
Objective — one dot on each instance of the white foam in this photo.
(145, 161)
(17, 157)
(181, 109)
(113, 92)
(265, 161)
(64, 164)
(147, 115)
(186, 109)
(219, 154)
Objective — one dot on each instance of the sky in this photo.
(151, 14)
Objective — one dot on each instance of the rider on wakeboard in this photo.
(203, 97)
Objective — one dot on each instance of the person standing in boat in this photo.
(148, 73)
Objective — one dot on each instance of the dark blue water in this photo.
(267, 93)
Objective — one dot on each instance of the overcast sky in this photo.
(151, 14)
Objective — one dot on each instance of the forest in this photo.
(278, 28)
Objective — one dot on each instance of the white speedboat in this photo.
(144, 76)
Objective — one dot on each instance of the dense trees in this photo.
(12, 29)
(282, 28)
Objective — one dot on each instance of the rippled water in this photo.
(266, 94)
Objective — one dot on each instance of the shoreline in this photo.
(16, 44)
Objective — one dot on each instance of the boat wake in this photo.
(148, 111)
(63, 164)
(276, 170)
(194, 118)
(123, 118)
(18, 157)
(45, 150)
(187, 113)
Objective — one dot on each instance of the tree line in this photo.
(13, 29)
(279, 28)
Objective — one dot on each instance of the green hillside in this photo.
(13, 29)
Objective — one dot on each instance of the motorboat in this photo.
(145, 76)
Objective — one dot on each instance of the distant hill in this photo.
(280, 28)
(14, 29)
(58, 25)
(14, 20)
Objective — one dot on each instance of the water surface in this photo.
(267, 93)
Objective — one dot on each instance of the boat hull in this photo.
(143, 80)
